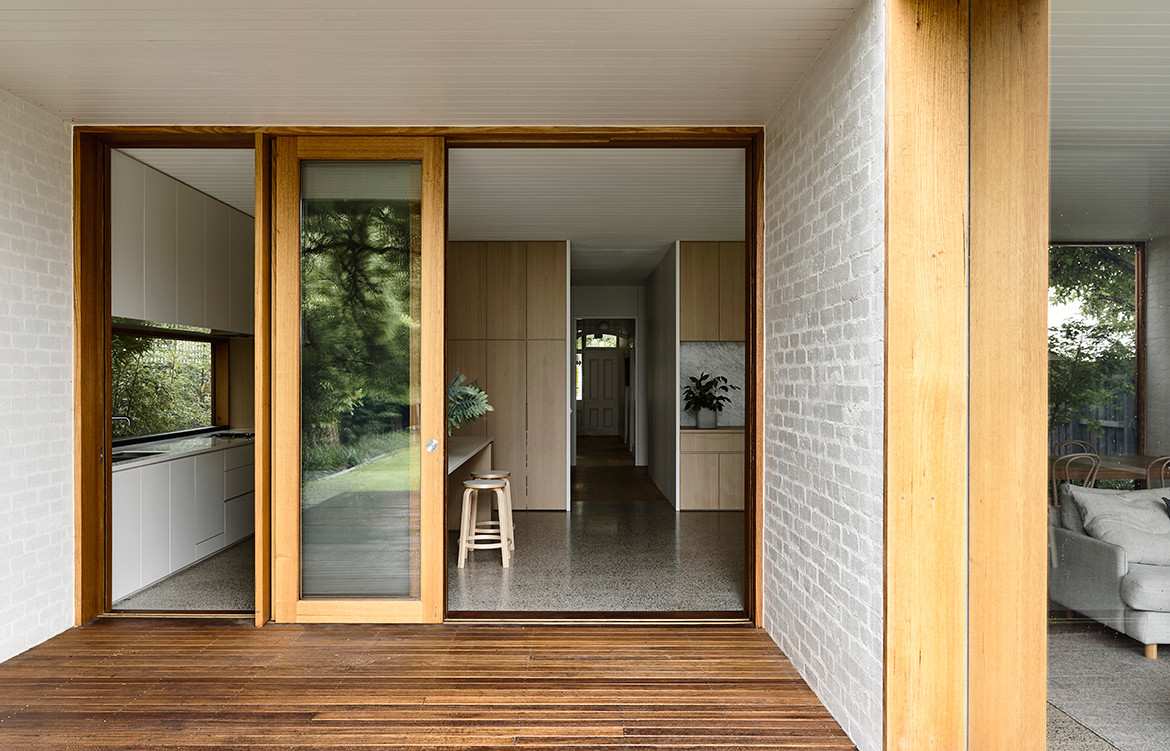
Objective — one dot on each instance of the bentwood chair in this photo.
(1073, 469)
(1158, 472)
(1079, 447)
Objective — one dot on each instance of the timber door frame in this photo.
(288, 605)
(91, 256)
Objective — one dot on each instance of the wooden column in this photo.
(966, 371)
(1009, 373)
(926, 376)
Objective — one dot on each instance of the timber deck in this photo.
(155, 683)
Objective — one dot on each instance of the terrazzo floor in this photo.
(1105, 693)
(224, 581)
(622, 548)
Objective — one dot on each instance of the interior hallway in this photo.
(621, 548)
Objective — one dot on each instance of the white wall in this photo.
(823, 420)
(620, 302)
(1157, 362)
(36, 376)
(662, 393)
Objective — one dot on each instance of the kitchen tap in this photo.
(115, 418)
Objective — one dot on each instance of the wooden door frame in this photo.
(91, 253)
(288, 605)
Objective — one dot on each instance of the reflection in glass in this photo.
(360, 241)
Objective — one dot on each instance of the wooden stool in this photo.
(501, 474)
(488, 534)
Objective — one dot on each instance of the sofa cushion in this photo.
(1135, 520)
(1147, 587)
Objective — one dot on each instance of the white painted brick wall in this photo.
(36, 376)
(823, 421)
(1157, 364)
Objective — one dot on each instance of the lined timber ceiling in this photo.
(1110, 97)
(412, 62)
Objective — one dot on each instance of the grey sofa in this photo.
(1099, 578)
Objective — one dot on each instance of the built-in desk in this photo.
(465, 454)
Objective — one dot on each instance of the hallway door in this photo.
(359, 408)
(602, 387)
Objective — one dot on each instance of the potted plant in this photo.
(466, 402)
(705, 396)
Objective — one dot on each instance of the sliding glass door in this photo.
(358, 409)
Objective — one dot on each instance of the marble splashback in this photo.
(714, 358)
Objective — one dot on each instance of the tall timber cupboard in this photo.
(507, 328)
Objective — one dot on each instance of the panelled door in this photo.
(359, 398)
(601, 374)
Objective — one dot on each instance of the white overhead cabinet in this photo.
(176, 255)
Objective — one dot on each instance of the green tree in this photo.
(1091, 360)
(160, 384)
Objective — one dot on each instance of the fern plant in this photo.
(466, 402)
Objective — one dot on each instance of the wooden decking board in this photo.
(145, 683)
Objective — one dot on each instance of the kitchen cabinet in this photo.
(127, 248)
(176, 255)
(711, 467)
(208, 495)
(712, 291)
(216, 266)
(191, 208)
(168, 515)
(507, 328)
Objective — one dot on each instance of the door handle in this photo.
(432, 446)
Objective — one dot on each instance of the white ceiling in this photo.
(411, 62)
(1110, 97)
(621, 209)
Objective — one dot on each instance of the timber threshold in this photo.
(138, 683)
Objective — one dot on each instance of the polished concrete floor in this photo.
(622, 548)
(224, 581)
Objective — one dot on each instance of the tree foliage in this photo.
(1101, 277)
(357, 326)
(161, 385)
(1092, 360)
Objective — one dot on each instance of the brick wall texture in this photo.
(823, 421)
(36, 376)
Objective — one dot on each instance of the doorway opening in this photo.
(179, 394)
(584, 287)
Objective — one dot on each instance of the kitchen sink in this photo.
(125, 456)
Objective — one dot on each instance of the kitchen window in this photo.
(161, 383)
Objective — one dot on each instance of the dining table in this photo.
(1113, 467)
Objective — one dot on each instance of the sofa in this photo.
(1109, 559)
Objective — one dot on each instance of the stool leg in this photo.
(505, 526)
(511, 528)
(465, 527)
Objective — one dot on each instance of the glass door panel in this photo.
(358, 404)
(360, 307)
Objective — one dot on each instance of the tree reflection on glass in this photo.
(356, 329)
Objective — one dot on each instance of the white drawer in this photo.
(238, 456)
(239, 481)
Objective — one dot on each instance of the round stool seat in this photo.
(491, 474)
(483, 484)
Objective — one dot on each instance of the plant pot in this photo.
(705, 418)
